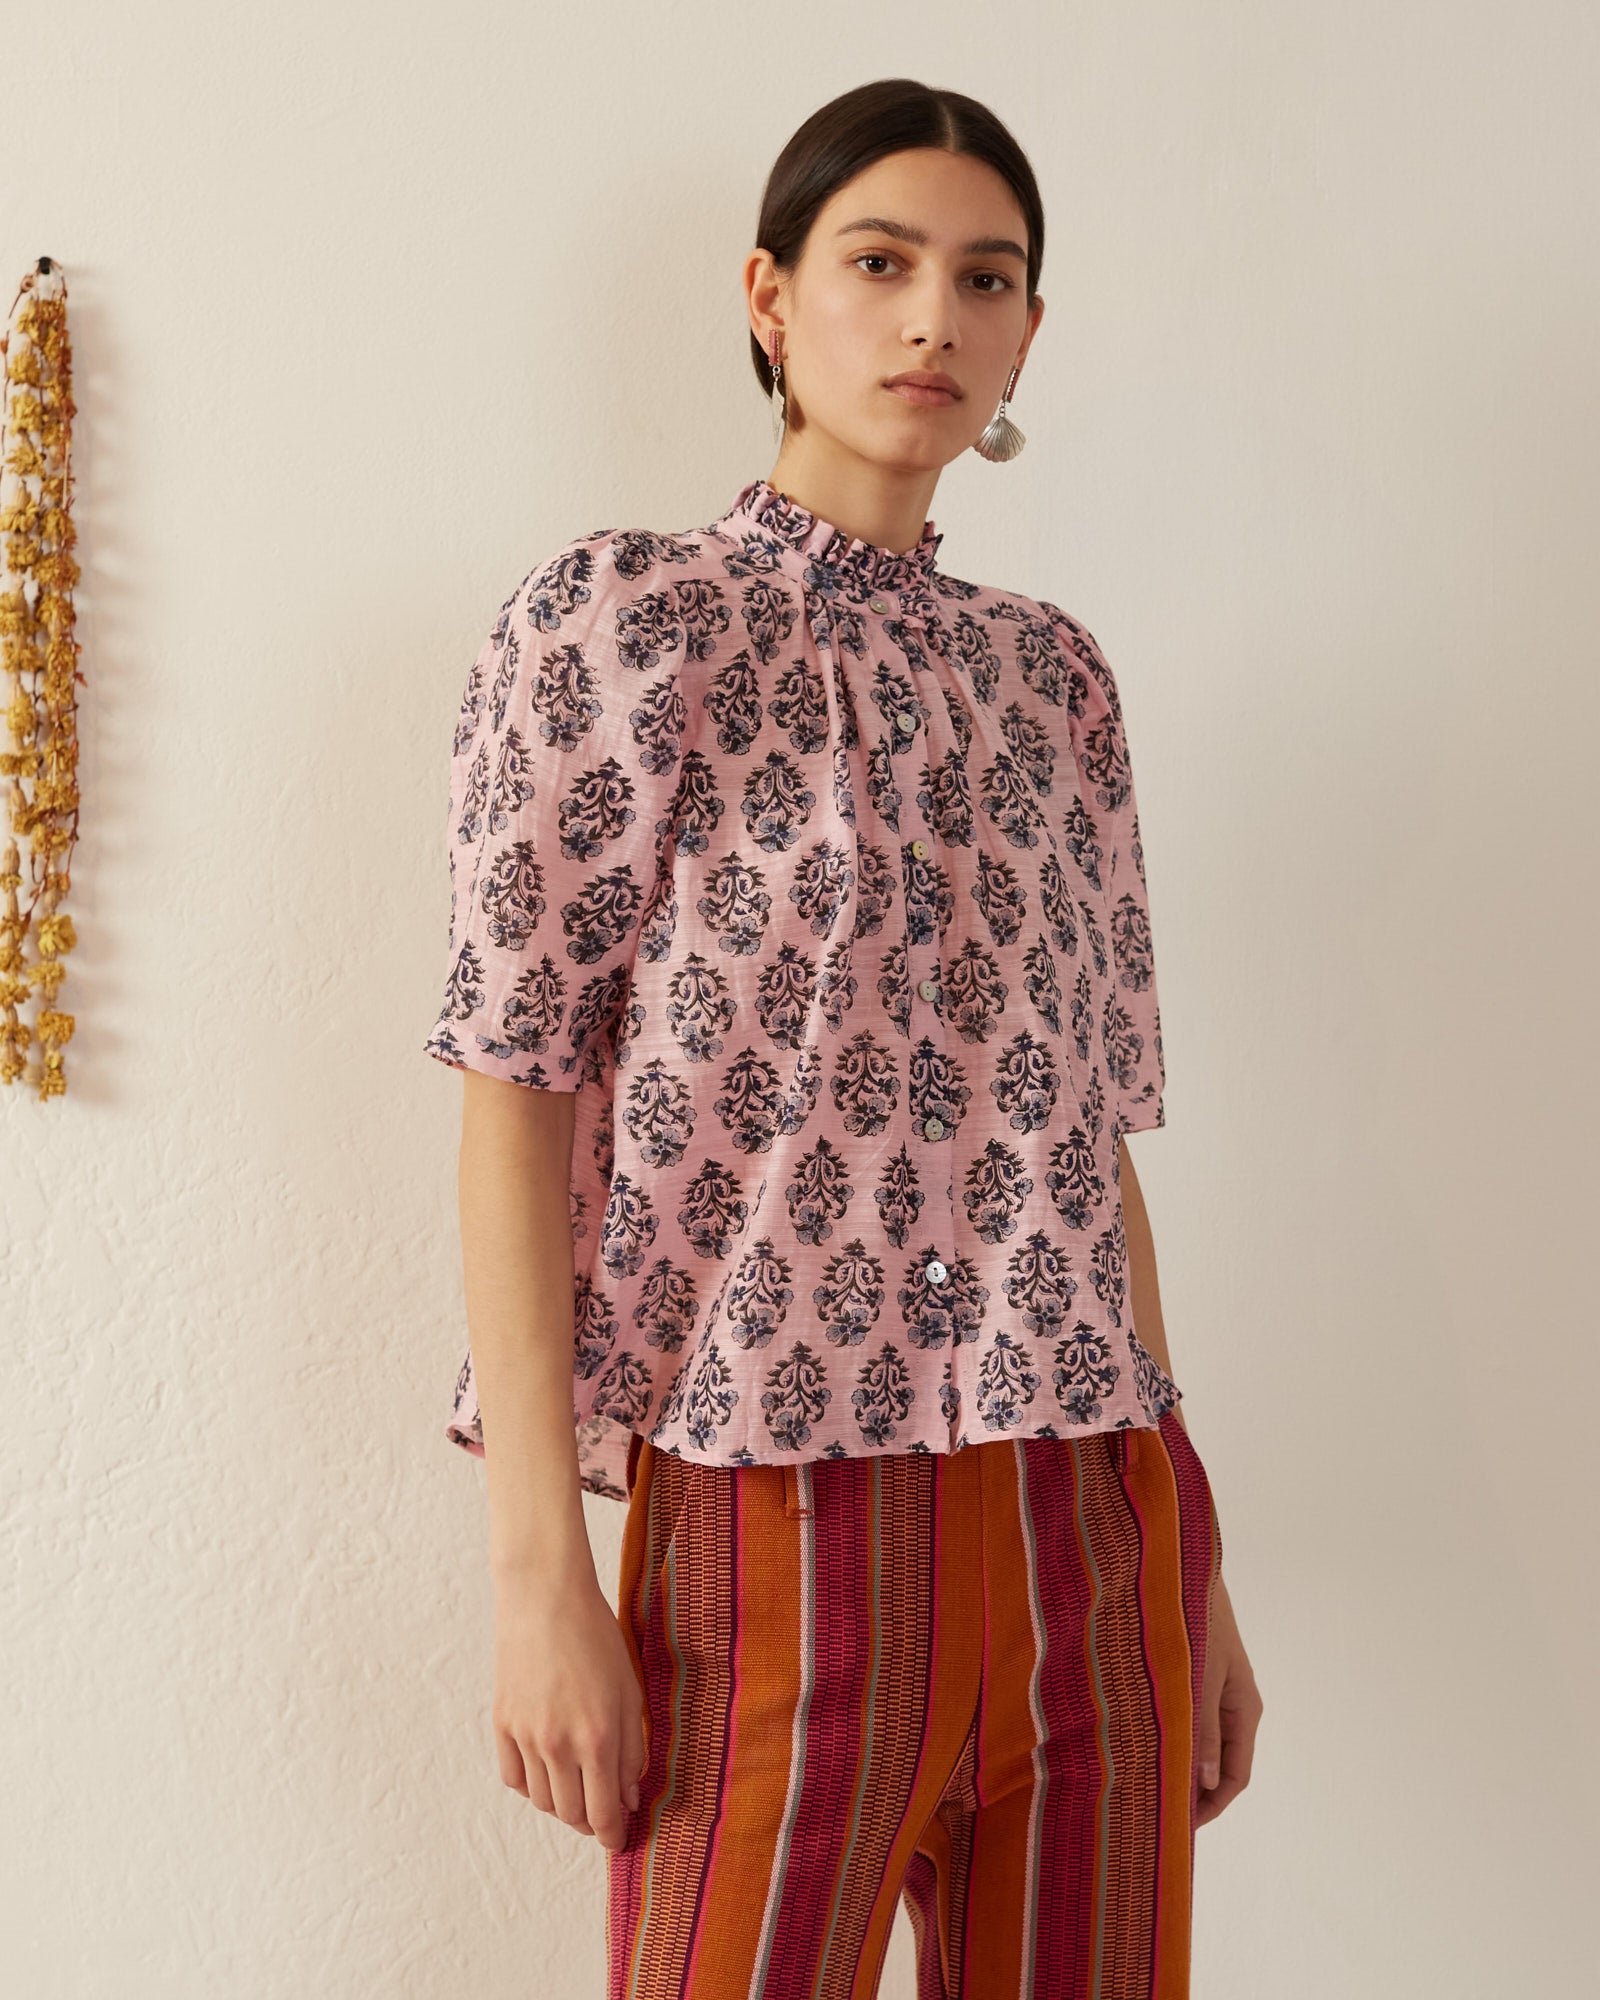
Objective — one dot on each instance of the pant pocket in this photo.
(658, 1489)
(1190, 1466)
(797, 1491)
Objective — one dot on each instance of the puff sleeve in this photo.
(560, 788)
(1130, 1025)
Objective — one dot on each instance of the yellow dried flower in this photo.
(56, 935)
(39, 654)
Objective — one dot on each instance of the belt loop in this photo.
(792, 1494)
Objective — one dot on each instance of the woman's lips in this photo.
(920, 394)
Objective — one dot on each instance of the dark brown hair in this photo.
(844, 137)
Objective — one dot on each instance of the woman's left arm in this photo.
(1230, 1707)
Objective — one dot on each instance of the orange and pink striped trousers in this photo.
(968, 1680)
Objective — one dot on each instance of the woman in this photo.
(801, 972)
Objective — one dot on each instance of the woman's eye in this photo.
(999, 281)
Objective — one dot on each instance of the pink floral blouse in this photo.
(816, 873)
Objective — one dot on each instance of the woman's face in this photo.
(918, 263)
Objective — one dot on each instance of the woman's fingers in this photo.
(517, 1763)
(634, 1751)
(536, 1785)
(1227, 1737)
(607, 1815)
(567, 1791)
(582, 1756)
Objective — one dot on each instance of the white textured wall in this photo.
(373, 306)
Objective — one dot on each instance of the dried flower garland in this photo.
(40, 656)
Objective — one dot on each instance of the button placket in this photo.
(905, 723)
(924, 971)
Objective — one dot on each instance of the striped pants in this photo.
(970, 1680)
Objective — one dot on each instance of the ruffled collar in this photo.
(761, 508)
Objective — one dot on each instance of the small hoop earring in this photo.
(1001, 440)
(780, 421)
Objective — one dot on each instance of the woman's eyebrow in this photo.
(980, 246)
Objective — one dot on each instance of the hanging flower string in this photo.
(38, 773)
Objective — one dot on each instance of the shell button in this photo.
(906, 722)
(876, 604)
(933, 1128)
(920, 849)
(929, 989)
(936, 1273)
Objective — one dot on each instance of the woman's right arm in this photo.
(568, 1706)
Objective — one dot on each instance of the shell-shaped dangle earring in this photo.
(1001, 438)
(780, 398)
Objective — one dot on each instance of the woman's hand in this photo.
(568, 1707)
(1230, 1709)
